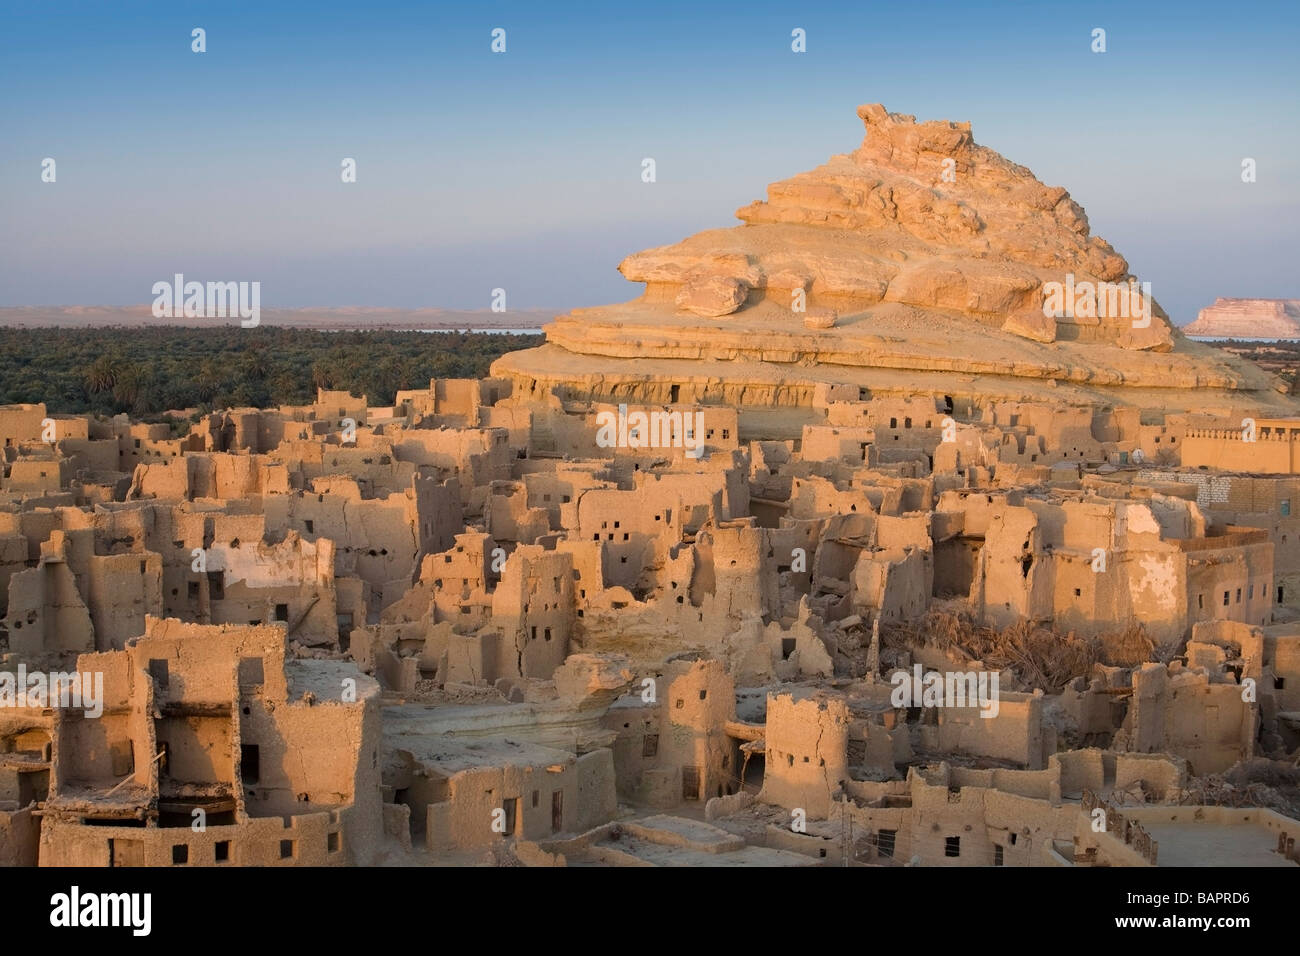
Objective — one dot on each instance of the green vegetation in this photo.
(145, 371)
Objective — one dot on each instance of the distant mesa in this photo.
(920, 261)
(1248, 319)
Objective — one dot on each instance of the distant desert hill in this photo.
(921, 262)
(345, 317)
(1248, 319)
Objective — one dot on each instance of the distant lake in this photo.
(489, 331)
(456, 331)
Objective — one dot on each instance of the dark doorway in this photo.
(250, 762)
(690, 783)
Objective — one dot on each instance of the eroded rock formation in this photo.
(920, 261)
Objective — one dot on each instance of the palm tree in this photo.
(208, 381)
(103, 373)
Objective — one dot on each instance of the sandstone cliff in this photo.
(1248, 319)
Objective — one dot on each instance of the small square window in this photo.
(180, 854)
(221, 851)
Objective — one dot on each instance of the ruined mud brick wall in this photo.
(1185, 714)
(531, 791)
(557, 490)
(230, 721)
(533, 609)
(676, 748)
(1015, 734)
(378, 540)
(476, 457)
(955, 825)
(806, 758)
(1040, 563)
(1282, 654)
(47, 613)
(508, 516)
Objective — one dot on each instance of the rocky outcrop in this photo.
(921, 260)
(921, 215)
(1248, 319)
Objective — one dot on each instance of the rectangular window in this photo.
(997, 855)
(650, 745)
(885, 842)
(952, 846)
(511, 807)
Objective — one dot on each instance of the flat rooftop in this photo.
(1215, 844)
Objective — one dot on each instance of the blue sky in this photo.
(522, 170)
